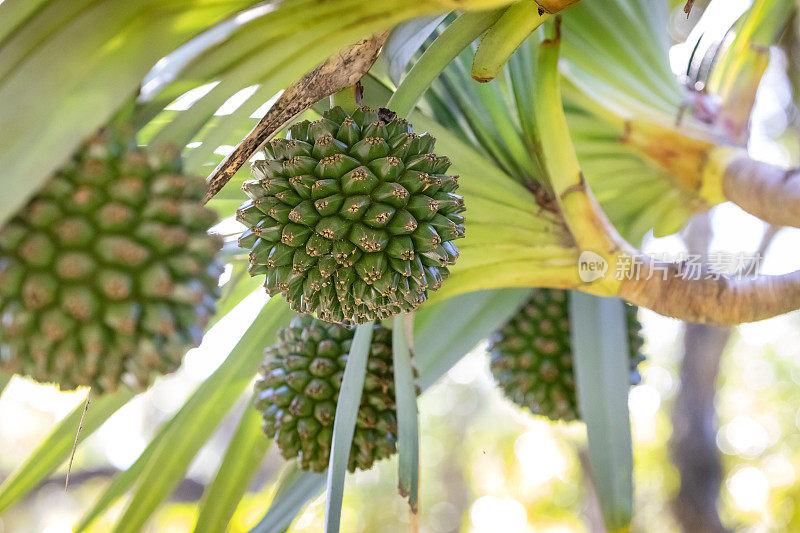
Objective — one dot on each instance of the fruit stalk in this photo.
(504, 37)
(554, 6)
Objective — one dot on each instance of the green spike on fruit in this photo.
(352, 217)
(532, 358)
(298, 388)
(108, 275)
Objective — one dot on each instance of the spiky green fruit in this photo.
(299, 386)
(107, 275)
(532, 358)
(352, 218)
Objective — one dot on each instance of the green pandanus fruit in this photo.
(299, 386)
(352, 217)
(108, 275)
(532, 359)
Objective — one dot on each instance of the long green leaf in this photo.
(404, 41)
(240, 463)
(600, 347)
(407, 412)
(232, 294)
(485, 112)
(74, 81)
(624, 50)
(271, 52)
(200, 415)
(196, 420)
(344, 423)
(123, 481)
(30, 27)
(438, 55)
(57, 447)
(13, 13)
(331, 32)
(295, 489)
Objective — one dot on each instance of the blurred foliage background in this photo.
(486, 465)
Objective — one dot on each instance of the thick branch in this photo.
(668, 291)
(716, 173)
(336, 73)
(766, 191)
(726, 300)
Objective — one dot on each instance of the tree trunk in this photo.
(693, 442)
(694, 447)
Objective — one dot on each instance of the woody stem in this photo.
(766, 191)
(722, 300)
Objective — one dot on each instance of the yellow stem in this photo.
(505, 36)
(590, 228)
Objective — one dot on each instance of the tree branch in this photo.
(712, 299)
(766, 191)
(336, 73)
(669, 290)
(716, 172)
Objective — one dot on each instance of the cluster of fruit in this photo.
(108, 276)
